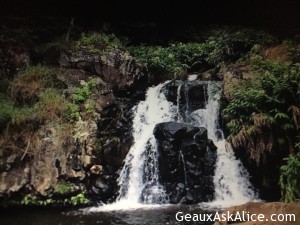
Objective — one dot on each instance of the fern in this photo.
(290, 178)
(265, 107)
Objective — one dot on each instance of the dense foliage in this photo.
(263, 116)
(232, 42)
(223, 46)
(97, 43)
(264, 112)
(290, 178)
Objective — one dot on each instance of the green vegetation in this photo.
(63, 194)
(223, 46)
(232, 42)
(9, 112)
(290, 179)
(34, 94)
(263, 113)
(73, 112)
(6, 112)
(158, 59)
(28, 83)
(79, 199)
(62, 188)
(174, 59)
(97, 43)
(83, 93)
(51, 105)
(33, 200)
(37, 95)
(293, 48)
(83, 101)
(29, 200)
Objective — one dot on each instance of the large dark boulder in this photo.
(173, 130)
(186, 159)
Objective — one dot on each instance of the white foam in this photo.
(155, 109)
(124, 205)
(192, 77)
(231, 180)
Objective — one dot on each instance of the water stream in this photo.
(137, 183)
(231, 180)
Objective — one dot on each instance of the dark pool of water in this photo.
(155, 216)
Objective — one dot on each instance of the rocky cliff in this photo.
(70, 144)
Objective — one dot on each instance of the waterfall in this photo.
(231, 180)
(138, 181)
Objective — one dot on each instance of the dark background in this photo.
(284, 14)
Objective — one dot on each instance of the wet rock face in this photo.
(192, 95)
(115, 132)
(116, 67)
(186, 162)
(114, 141)
(50, 155)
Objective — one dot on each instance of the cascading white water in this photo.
(231, 180)
(139, 183)
(155, 109)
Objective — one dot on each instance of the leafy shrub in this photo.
(159, 60)
(224, 45)
(290, 179)
(35, 200)
(290, 43)
(79, 199)
(97, 43)
(62, 188)
(29, 200)
(172, 60)
(263, 113)
(84, 92)
(193, 56)
(230, 43)
(83, 100)
(73, 112)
